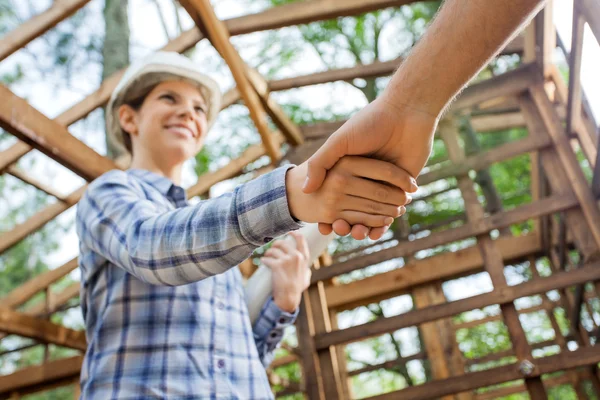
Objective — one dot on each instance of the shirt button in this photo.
(273, 334)
(220, 305)
(282, 320)
(221, 363)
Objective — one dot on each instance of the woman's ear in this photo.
(128, 120)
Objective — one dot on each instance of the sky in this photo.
(146, 36)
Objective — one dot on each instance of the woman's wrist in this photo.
(287, 302)
(294, 180)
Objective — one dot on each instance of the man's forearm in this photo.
(464, 36)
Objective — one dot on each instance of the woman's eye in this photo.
(168, 97)
(200, 110)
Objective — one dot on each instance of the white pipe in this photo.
(259, 287)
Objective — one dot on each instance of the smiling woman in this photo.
(168, 126)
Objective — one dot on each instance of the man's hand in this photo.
(398, 134)
(399, 126)
(290, 271)
(358, 190)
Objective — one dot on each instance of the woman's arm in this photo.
(185, 245)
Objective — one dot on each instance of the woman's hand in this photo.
(290, 269)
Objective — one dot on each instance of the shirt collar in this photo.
(164, 185)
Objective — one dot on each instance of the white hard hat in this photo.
(148, 72)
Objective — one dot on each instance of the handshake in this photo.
(359, 195)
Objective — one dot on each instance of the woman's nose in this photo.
(186, 110)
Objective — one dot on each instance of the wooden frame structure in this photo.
(564, 210)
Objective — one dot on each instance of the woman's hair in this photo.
(136, 104)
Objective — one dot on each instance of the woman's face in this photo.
(171, 124)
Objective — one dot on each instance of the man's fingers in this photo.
(325, 229)
(370, 220)
(370, 206)
(377, 233)
(360, 232)
(341, 227)
(377, 191)
(381, 171)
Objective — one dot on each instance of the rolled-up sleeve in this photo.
(269, 329)
(117, 221)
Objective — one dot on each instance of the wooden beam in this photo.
(492, 256)
(28, 378)
(205, 18)
(327, 360)
(514, 389)
(503, 121)
(310, 11)
(38, 25)
(373, 70)
(17, 323)
(21, 231)
(585, 127)
(281, 120)
(493, 376)
(575, 92)
(431, 333)
(20, 119)
(306, 348)
(510, 83)
(443, 266)
(498, 317)
(19, 174)
(19, 149)
(12, 154)
(557, 178)
(484, 160)
(515, 46)
(388, 364)
(560, 280)
(568, 160)
(58, 301)
(289, 390)
(283, 360)
(500, 220)
(24, 292)
(591, 11)
(560, 339)
(545, 37)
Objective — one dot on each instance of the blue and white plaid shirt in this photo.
(165, 311)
